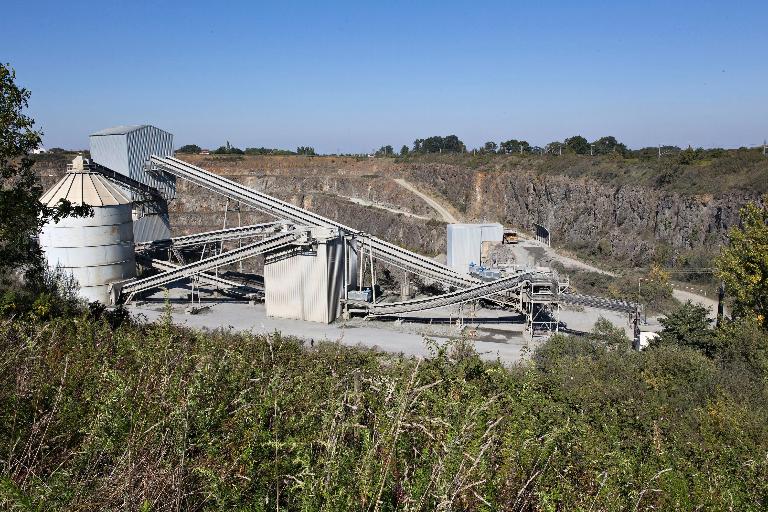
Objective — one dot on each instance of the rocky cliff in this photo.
(626, 222)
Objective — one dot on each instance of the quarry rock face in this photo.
(628, 222)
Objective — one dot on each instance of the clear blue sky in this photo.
(352, 76)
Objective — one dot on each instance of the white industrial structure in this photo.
(467, 243)
(307, 282)
(312, 263)
(96, 250)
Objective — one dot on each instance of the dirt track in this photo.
(444, 213)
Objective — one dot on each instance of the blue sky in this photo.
(352, 76)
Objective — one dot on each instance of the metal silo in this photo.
(96, 250)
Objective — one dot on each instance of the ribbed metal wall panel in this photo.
(151, 226)
(111, 151)
(144, 143)
(127, 153)
(305, 285)
(95, 250)
(465, 243)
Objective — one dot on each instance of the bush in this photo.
(100, 417)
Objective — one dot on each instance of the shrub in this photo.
(94, 417)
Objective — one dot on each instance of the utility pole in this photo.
(591, 150)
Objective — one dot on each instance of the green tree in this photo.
(404, 150)
(228, 150)
(577, 144)
(743, 265)
(554, 147)
(690, 155)
(688, 326)
(305, 150)
(22, 215)
(609, 144)
(437, 144)
(385, 151)
(267, 151)
(189, 148)
(490, 147)
(514, 146)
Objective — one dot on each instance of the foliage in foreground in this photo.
(21, 213)
(743, 265)
(155, 416)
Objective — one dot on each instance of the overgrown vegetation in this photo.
(102, 412)
(156, 417)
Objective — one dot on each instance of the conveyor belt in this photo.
(247, 251)
(598, 302)
(219, 282)
(211, 237)
(447, 299)
(382, 250)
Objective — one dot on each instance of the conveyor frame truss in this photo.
(470, 288)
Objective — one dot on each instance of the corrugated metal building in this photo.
(465, 243)
(95, 250)
(126, 150)
(306, 283)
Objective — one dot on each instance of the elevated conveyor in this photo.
(211, 279)
(457, 297)
(577, 299)
(212, 237)
(278, 241)
(381, 249)
(385, 251)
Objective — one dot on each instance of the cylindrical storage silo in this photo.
(95, 250)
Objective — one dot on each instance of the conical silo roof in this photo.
(83, 187)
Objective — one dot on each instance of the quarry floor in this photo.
(494, 333)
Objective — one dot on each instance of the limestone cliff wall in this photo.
(626, 222)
